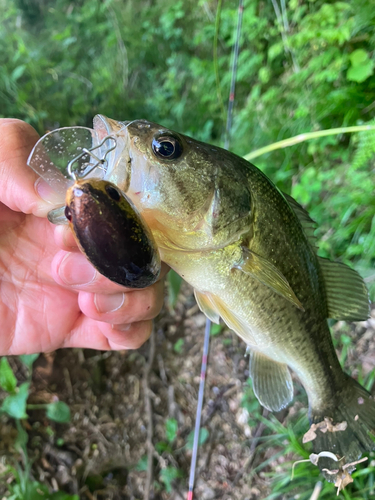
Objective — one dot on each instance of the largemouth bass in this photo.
(249, 252)
(111, 233)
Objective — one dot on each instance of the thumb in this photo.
(22, 190)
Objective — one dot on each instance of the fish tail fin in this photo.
(345, 430)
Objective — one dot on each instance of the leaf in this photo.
(361, 66)
(168, 475)
(8, 381)
(360, 73)
(15, 404)
(171, 428)
(28, 359)
(358, 57)
(142, 464)
(18, 72)
(174, 286)
(215, 329)
(59, 412)
(203, 436)
(178, 347)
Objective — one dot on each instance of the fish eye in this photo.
(68, 213)
(113, 193)
(167, 147)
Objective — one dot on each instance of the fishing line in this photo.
(206, 343)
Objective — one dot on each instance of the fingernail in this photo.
(108, 303)
(48, 194)
(122, 328)
(76, 270)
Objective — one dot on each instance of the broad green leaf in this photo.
(15, 404)
(358, 57)
(171, 428)
(361, 72)
(59, 412)
(28, 359)
(8, 381)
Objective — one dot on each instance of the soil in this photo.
(101, 453)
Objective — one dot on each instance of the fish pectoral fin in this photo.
(272, 382)
(347, 295)
(206, 306)
(264, 271)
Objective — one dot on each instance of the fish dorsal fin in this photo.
(347, 295)
(206, 306)
(263, 270)
(308, 224)
(272, 382)
(232, 320)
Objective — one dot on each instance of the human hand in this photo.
(50, 295)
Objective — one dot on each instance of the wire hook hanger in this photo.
(102, 163)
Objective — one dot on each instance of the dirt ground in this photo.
(101, 453)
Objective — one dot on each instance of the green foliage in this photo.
(215, 329)
(28, 359)
(168, 475)
(15, 406)
(171, 428)
(58, 411)
(8, 381)
(179, 346)
(174, 286)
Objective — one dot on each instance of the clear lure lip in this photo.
(66, 154)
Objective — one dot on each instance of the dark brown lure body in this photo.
(112, 234)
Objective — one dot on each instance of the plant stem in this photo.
(306, 137)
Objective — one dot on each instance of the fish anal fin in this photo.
(264, 271)
(206, 306)
(347, 295)
(272, 382)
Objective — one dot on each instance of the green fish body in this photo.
(248, 250)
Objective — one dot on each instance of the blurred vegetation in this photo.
(303, 66)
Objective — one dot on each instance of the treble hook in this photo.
(100, 162)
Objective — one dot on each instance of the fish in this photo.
(249, 252)
(112, 234)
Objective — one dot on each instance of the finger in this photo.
(74, 270)
(21, 188)
(123, 308)
(64, 238)
(103, 336)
